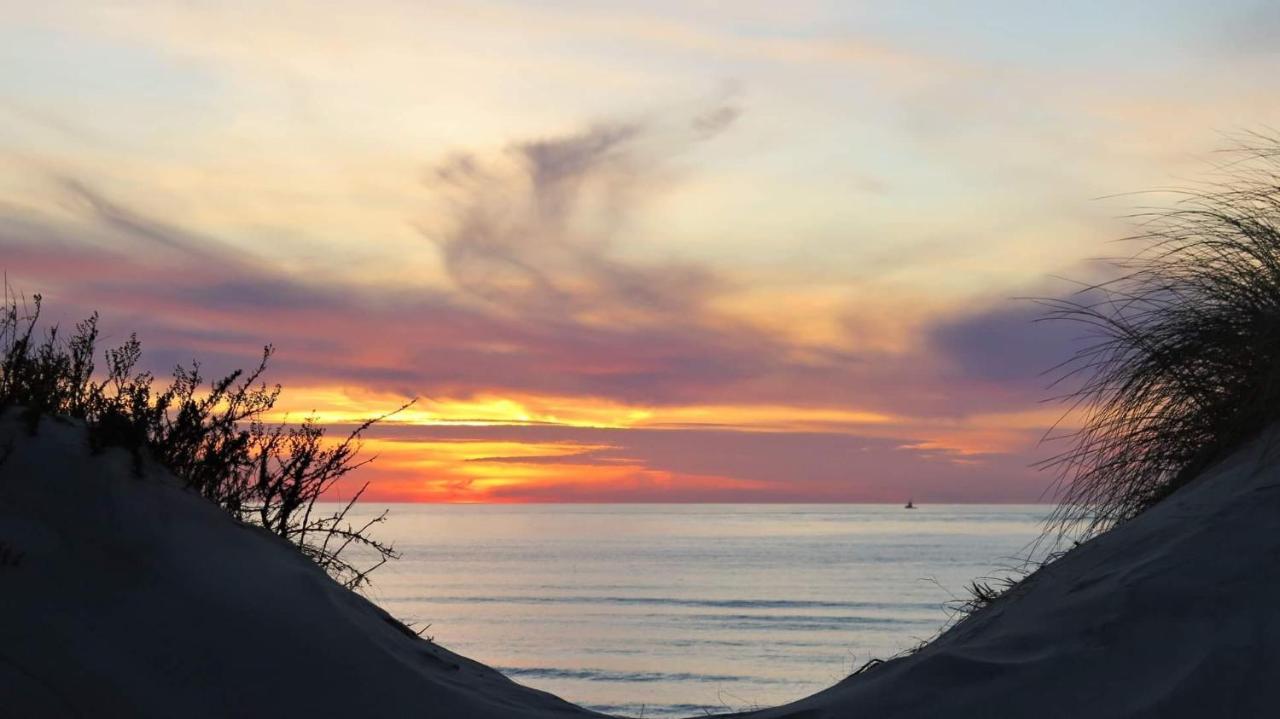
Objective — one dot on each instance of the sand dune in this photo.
(1169, 615)
(136, 598)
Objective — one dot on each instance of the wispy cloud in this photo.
(543, 302)
(535, 228)
(699, 465)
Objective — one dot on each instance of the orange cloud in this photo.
(513, 471)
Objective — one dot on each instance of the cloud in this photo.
(1012, 349)
(536, 228)
(130, 225)
(544, 301)
(1004, 342)
(729, 465)
(575, 319)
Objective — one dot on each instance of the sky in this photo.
(651, 252)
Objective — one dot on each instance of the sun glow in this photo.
(527, 448)
(336, 405)
(511, 472)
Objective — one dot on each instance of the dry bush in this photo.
(210, 434)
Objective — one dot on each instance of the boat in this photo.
(909, 505)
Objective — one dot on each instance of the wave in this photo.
(790, 622)
(667, 601)
(606, 675)
(664, 710)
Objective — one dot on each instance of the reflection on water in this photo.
(674, 610)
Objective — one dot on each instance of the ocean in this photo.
(680, 610)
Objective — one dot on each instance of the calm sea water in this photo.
(677, 610)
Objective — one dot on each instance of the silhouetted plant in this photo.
(1006, 580)
(210, 434)
(982, 592)
(1184, 365)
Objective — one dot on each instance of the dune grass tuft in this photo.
(1183, 362)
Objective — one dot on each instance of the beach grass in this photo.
(1182, 362)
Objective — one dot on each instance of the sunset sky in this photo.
(661, 251)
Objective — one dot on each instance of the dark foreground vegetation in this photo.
(211, 434)
(1183, 365)
(1180, 363)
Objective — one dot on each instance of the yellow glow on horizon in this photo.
(338, 405)
(763, 417)
(335, 405)
(490, 471)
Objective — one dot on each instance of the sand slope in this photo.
(1173, 614)
(135, 598)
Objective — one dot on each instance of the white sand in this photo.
(135, 598)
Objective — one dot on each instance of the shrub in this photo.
(1184, 365)
(211, 435)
